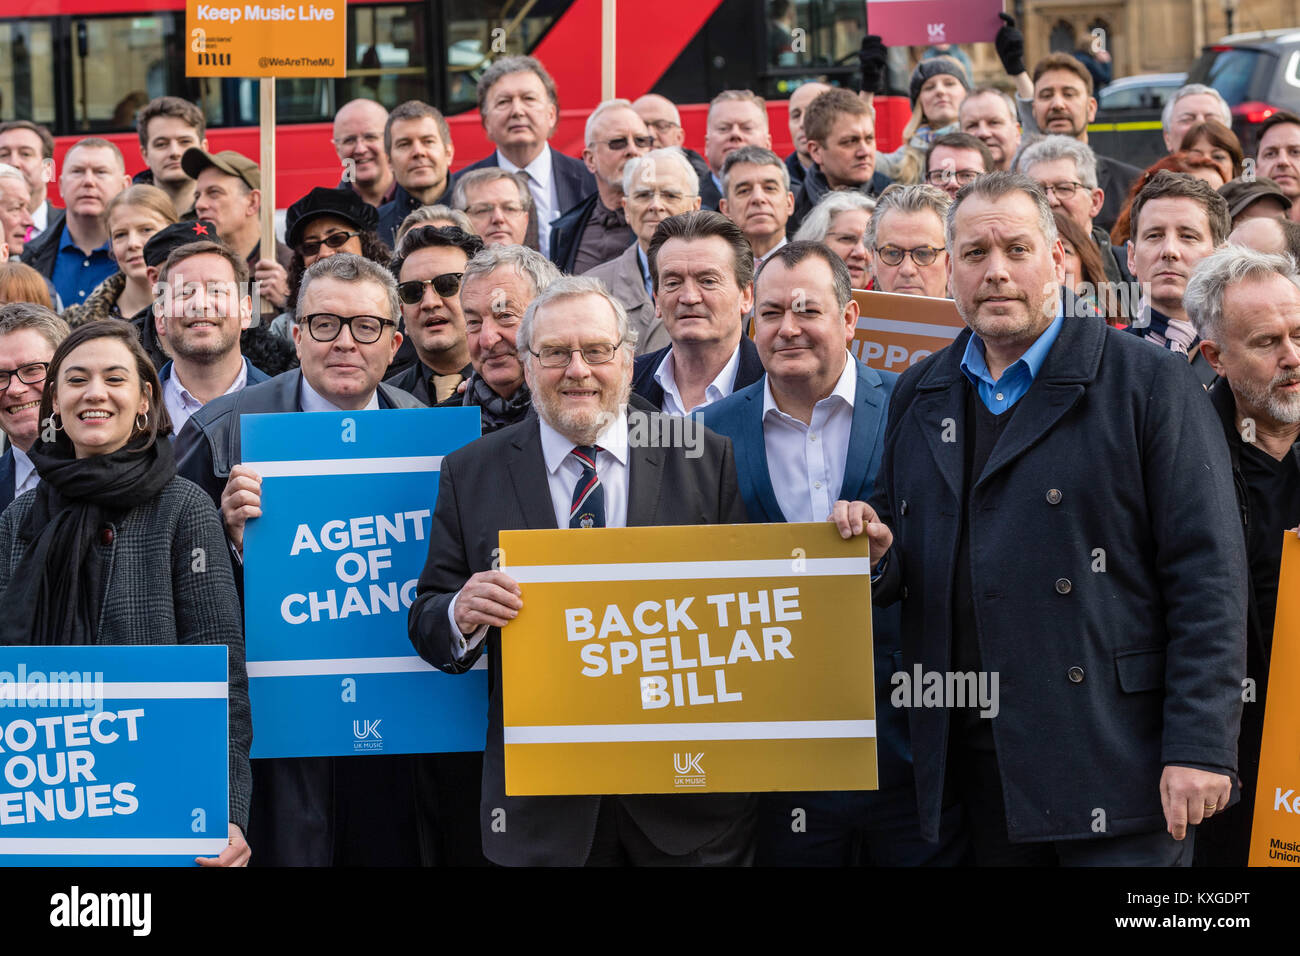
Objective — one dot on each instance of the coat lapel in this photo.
(527, 469)
(645, 484)
(868, 420)
(753, 447)
(939, 413)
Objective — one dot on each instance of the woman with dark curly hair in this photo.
(321, 223)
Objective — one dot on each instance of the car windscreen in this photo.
(1229, 71)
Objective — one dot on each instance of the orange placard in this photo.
(897, 331)
(1275, 835)
(268, 38)
(720, 658)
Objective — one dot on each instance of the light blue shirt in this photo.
(999, 395)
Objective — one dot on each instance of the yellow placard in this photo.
(897, 331)
(1275, 835)
(266, 38)
(719, 658)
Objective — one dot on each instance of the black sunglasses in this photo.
(334, 240)
(446, 285)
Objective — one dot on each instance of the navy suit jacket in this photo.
(573, 181)
(748, 371)
(740, 418)
(8, 478)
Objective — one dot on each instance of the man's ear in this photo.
(1213, 354)
(815, 151)
(1098, 200)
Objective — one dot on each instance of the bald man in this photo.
(660, 115)
(799, 162)
(359, 141)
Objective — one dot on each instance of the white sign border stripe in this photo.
(119, 846)
(658, 733)
(686, 570)
(346, 466)
(868, 324)
(345, 665)
(111, 690)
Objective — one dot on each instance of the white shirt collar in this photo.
(313, 401)
(845, 390)
(240, 381)
(718, 389)
(23, 469)
(539, 169)
(556, 448)
(771, 252)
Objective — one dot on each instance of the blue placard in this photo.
(330, 571)
(113, 756)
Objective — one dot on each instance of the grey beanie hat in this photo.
(934, 66)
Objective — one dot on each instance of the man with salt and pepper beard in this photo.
(570, 466)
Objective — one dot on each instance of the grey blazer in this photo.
(623, 277)
(152, 595)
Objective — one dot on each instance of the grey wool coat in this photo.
(152, 595)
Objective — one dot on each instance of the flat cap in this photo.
(228, 161)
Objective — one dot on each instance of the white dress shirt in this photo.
(562, 473)
(718, 389)
(40, 220)
(759, 260)
(806, 462)
(313, 401)
(25, 475)
(541, 183)
(181, 404)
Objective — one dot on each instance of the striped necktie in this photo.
(588, 508)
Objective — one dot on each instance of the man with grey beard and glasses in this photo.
(1246, 308)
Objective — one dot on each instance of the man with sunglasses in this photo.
(596, 229)
(317, 811)
(906, 238)
(428, 285)
(29, 334)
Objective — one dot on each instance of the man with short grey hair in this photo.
(1107, 594)
(1246, 307)
(1192, 104)
(499, 206)
(519, 107)
(29, 335)
(318, 811)
(757, 198)
(596, 230)
(905, 239)
(15, 220)
(736, 118)
(497, 287)
(989, 115)
(570, 466)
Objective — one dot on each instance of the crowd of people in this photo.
(1085, 494)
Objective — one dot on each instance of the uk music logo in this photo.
(688, 774)
(366, 735)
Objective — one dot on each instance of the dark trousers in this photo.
(974, 781)
(854, 828)
(618, 841)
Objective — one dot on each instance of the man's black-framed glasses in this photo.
(33, 373)
(335, 240)
(559, 356)
(921, 255)
(446, 285)
(365, 329)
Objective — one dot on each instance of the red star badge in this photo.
(200, 229)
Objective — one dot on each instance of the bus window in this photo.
(387, 56)
(804, 33)
(26, 71)
(479, 31)
(118, 65)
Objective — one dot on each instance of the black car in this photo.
(1257, 73)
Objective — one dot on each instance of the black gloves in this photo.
(872, 58)
(1010, 44)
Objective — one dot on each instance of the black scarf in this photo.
(55, 594)
(497, 412)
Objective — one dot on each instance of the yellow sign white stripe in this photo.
(731, 730)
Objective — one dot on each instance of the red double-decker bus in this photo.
(83, 67)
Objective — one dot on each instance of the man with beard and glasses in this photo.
(498, 285)
(204, 306)
(1246, 307)
(571, 466)
(428, 284)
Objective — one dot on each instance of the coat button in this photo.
(1053, 496)
(1075, 674)
(106, 535)
(1063, 586)
(903, 592)
(902, 507)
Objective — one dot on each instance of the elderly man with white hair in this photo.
(595, 230)
(660, 184)
(1192, 104)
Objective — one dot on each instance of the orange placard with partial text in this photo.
(719, 658)
(266, 38)
(1275, 835)
(897, 331)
